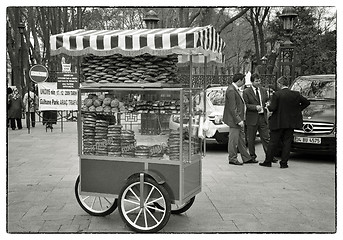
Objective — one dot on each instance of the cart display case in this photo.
(138, 127)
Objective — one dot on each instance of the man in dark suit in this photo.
(286, 106)
(255, 98)
(233, 116)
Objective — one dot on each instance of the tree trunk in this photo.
(254, 32)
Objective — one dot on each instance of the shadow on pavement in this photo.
(301, 157)
(314, 158)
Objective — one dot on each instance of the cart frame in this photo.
(104, 175)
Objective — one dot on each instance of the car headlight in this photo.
(217, 119)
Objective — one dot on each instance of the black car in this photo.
(318, 134)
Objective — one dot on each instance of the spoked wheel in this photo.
(95, 205)
(178, 209)
(137, 205)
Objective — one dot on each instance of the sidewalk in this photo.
(43, 167)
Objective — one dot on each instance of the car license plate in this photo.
(308, 140)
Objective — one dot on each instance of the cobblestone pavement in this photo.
(43, 166)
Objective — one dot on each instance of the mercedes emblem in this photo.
(308, 127)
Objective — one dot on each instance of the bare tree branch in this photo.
(231, 20)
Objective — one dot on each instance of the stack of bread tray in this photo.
(128, 143)
(88, 133)
(101, 128)
(142, 69)
(114, 140)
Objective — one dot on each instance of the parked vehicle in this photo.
(215, 100)
(318, 133)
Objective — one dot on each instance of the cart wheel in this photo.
(137, 208)
(95, 205)
(178, 209)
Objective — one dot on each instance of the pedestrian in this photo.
(286, 107)
(255, 98)
(9, 92)
(233, 116)
(15, 109)
(30, 113)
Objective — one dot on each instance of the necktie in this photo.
(258, 97)
(259, 100)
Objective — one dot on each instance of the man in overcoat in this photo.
(233, 116)
(287, 106)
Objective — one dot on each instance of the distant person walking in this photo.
(255, 98)
(30, 113)
(9, 92)
(286, 107)
(233, 116)
(15, 109)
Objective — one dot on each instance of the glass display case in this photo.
(127, 130)
(155, 124)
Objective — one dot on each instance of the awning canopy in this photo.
(158, 42)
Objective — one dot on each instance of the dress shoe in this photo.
(236, 163)
(266, 164)
(284, 166)
(274, 160)
(251, 161)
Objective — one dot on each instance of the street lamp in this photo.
(151, 19)
(286, 57)
(21, 27)
(264, 60)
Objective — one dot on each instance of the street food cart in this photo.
(129, 92)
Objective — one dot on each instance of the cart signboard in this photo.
(38, 73)
(67, 80)
(52, 98)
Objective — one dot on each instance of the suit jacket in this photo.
(234, 107)
(286, 106)
(251, 102)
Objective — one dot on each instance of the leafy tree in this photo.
(315, 47)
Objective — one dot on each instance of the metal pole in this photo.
(204, 100)
(61, 121)
(190, 127)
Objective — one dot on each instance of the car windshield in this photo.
(315, 88)
(217, 96)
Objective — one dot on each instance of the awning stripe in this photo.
(151, 40)
(100, 42)
(128, 42)
(121, 41)
(195, 40)
(158, 41)
(72, 42)
(190, 40)
(86, 41)
(92, 41)
(114, 41)
(174, 40)
(166, 40)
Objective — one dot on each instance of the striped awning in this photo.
(164, 41)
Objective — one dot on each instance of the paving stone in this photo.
(234, 199)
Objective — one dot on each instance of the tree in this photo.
(315, 50)
(42, 22)
(256, 18)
